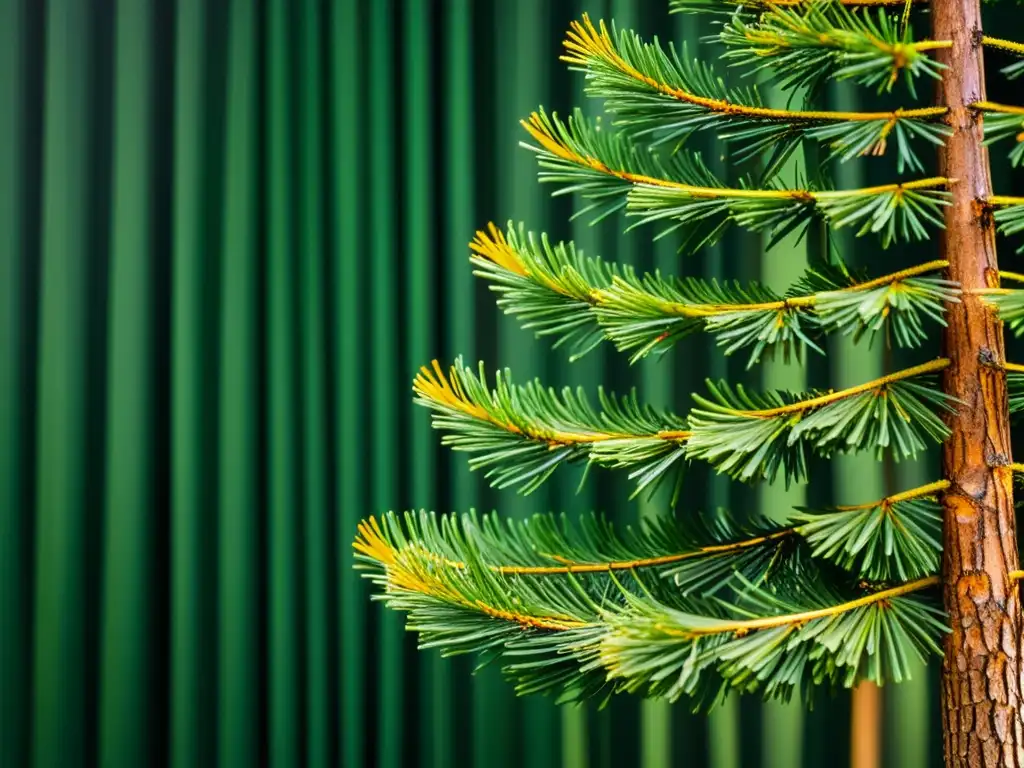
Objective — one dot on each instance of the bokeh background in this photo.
(230, 233)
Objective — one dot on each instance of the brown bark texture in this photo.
(981, 672)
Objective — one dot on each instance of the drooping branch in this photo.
(554, 290)
(612, 172)
(522, 434)
(666, 96)
(751, 436)
(699, 6)
(568, 633)
(893, 538)
(805, 44)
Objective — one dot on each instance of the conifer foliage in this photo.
(692, 605)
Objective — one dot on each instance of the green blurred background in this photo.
(230, 232)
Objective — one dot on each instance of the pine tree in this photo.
(692, 605)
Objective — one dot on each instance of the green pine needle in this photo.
(1009, 303)
(805, 45)
(809, 636)
(1007, 125)
(481, 586)
(667, 96)
(1013, 71)
(1015, 387)
(522, 434)
(752, 437)
(894, 539)
(1009, 216)
(556, 291)
(681, 193)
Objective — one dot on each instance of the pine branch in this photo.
(1004, 122)
(1008, 302)
(556, 291)
(897, 303)
(544, 631)
(809, 636)
(802, 45)
(751, 437)
(1008, 214)
(898, 537)
(1014, 70)
(522, 434)
(729, 6)
(551, 289)
(1015, 386)
(607, 169)
(697, 555)
(667, 97)
(581, 633)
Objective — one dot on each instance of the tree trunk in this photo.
(981, 671)
(866, 726)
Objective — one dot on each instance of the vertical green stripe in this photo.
(283, 638)
(525, 62)
(14, 515)
(191, 708)
(418, 228)
(614, 745)
(450, 685)
(594, 240)
(460, 214)
(913, 736)
(422, 303)
(782, 724)
(347, 33)
(857, 478)
(125, 685)
(384, 376)
(238, 720)
(720, 262)
(60, 662)
(313, 403)
(657, 386)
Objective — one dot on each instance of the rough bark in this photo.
(981, 674)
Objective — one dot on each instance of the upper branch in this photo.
(612, 172)
(683, 6)
(661, 94)
(803, 45)
(557, 292)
